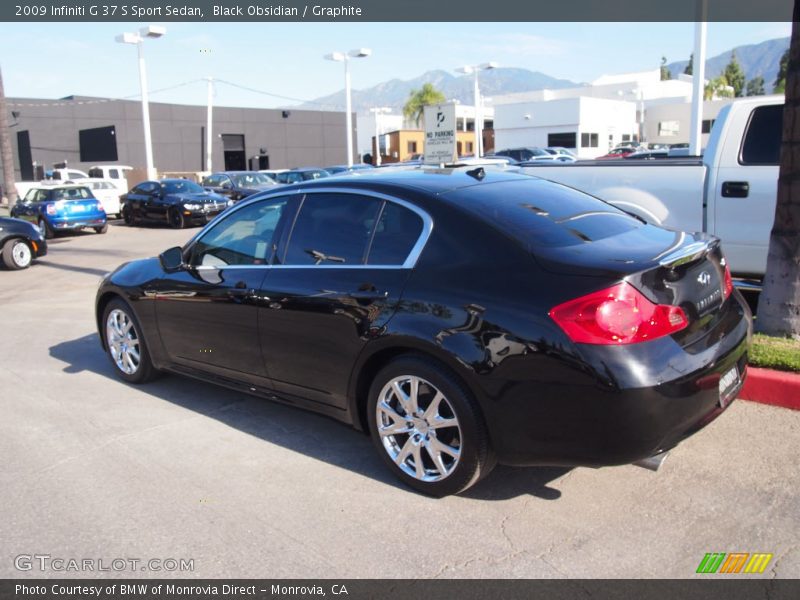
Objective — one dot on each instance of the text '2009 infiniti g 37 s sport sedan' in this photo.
(461, 317)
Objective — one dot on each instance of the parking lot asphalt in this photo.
(93, 468)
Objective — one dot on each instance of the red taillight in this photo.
(617, 315)
(728, 281)
(100, 207)
(51, 209)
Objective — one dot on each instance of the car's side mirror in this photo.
(172, 259)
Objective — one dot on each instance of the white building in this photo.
(594, 118)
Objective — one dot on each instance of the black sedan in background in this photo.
(20, 243)
(238, 185)
(462, 317)
(177, 202)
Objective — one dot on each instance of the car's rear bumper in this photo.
(95, 220)
(640, 400)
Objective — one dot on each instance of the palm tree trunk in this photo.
(7, 158)
(779, 304)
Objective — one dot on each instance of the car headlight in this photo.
(231, 203)
(192, 206)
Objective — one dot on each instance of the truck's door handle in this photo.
(735, 189)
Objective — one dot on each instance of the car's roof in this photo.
(429, 179)
(61, 186)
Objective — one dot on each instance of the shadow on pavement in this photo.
(319, 437)
(87, 270)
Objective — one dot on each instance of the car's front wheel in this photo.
(127, 216)
(176, 219)
(427, 427)
(125, 344)
(17, 254)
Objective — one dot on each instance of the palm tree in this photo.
(779, 304)
(9, 189)
(419, 99)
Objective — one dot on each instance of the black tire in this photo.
(144, 371)
(17, 254)
(127, 216)
(102, 229)
(47, 231)
(176, 219)
(469, 436)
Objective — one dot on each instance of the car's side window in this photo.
(211, 181)
(30, 196)
(41, 195)
(397, 231)
(332, 229)
(246, 237)
(225, 183)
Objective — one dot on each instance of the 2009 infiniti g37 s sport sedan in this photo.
(462, 317)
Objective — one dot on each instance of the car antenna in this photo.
(478, 173)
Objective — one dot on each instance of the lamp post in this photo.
(474, 70)
(345, 58)
(151, 31)
(378, 129)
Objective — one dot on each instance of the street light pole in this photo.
(151, 31)
(473, 69)
(378, 130)
(209, 137)
(345, 58)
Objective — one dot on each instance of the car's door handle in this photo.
(371, 294)
(735, 189)
(240, 290)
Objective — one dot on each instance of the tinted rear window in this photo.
(762, 140)
(542, 214)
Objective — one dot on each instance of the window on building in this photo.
(98, 144)
(589, 140)
(412, 147)
(762, 140)
(469, 147)
(626, 137)
(707, 125)
(562, 140)
(669, 128)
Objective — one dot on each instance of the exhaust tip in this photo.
(652, 463)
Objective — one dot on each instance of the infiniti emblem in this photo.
(704, 278)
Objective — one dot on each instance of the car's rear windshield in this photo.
(78, 193)
(542, 214)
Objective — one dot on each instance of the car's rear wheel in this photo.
(125, 344)
(102, 229)
(176, 219)
(427, 427)
(45, 229)
(17, 254)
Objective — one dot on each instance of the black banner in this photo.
(396, 10)
(397, 589)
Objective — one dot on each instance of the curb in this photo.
(776, 388)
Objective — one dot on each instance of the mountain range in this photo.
(755, 59)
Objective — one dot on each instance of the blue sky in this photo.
(53, 60)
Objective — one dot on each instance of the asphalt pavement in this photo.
(95, 469)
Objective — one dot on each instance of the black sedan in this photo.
(462, 317)
(20, 242)
(238, 185)
(177, 202)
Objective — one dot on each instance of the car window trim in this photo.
(409, 263)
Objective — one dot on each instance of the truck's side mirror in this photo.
(172, 259)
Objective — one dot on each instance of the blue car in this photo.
(61, 208)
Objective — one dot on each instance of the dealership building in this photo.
(85, 131)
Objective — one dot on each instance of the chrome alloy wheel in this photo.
(21, 254)
(418, 428)
(123, 341)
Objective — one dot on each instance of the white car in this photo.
(106, 192)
